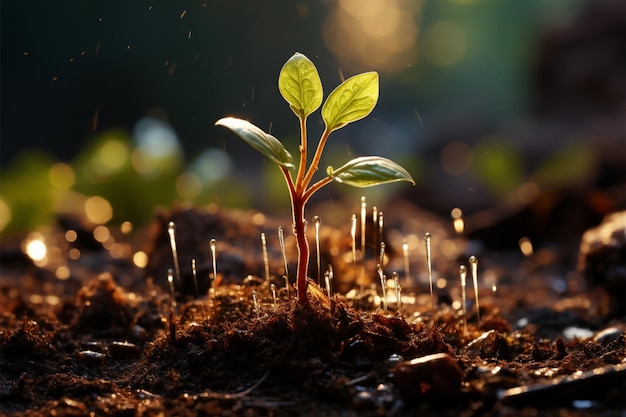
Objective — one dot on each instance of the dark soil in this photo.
(107, 340)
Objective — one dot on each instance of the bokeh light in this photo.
(5, 214)
(373, 34)
(157, 146)
(98, 210)
(61, 176)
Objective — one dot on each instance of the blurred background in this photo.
(507, 110)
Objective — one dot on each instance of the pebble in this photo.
(90, 358)
(124, 350)
(436, 375)
(608, 335)
(488, 345)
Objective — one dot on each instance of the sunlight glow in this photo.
(98, 210)
(378, 34)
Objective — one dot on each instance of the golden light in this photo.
(140, 259)
(444, 44)
(126, 227)
(459, 224)
(61, 176)
(35, 248)
(448, 248)
(441, 283)
(71, 236)
(74, 254)
(101, 233)
(62, 272)
(258, 219)
(119, 250)
(526, 246)
(112, 156)
(5, 214)
(374, 34)
(98, 210)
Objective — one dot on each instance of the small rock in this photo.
(435, 375)
(91, 358)
(608, 335)
(124, 350)
(602, 259)
(489, 345)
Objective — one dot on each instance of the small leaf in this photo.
(369, 170)
(352, 100)
(265, 143)
(300, 85)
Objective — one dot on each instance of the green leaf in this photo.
(265, 143)
(352, 100)
(369, 170)
(300, 85)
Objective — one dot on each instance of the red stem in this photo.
(299, 229)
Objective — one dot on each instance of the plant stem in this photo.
(315, 188)
(303, 249)
(299, 229)
(303, 155)
(316, 158)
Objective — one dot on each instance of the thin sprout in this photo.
(353, 236)
(213, 244)
(463, 274)
(474, 265)
(405, 252)
(266, 261)
(170, 281)
(396, 281)
(327, 281)
(274, 297)
(171, 230)
(195, 276)
(281, 240)
(383, 285)
(317, 222)
(429, 265)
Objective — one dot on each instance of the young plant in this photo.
(300, 85)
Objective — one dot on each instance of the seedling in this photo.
(300, 85)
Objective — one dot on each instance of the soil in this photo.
(108, 339)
